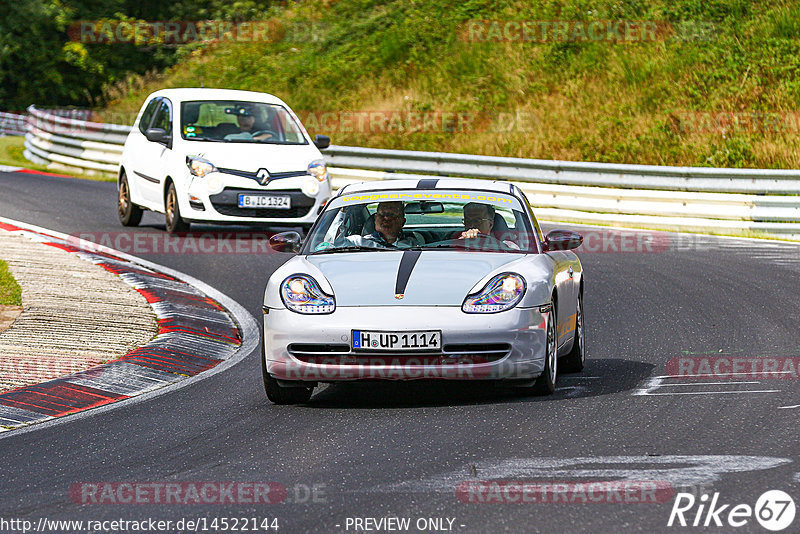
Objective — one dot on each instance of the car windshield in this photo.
(413, 220)
(233, 121)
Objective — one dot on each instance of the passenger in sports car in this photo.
(389, 220)
(479, 219)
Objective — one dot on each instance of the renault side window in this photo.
(163, 118)
(147, 115)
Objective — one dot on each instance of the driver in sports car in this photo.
(479, 220)
(389, 220)
(246, 119)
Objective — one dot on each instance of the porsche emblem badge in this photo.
(399, 296)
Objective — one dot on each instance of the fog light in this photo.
(310, 188)
(214, 184)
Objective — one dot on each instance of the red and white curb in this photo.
(201, 332)
(23, 170)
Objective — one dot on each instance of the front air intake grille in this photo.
(227, 203)
(261, 213)
(339, 354)
(313, 349)
(482, 349)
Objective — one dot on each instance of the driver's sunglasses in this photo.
(390, 215)
(474, 221)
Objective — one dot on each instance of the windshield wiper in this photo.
(354, 248)
(428, 247)
(207, 139)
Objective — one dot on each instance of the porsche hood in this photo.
(423, 278)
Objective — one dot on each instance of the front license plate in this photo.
(264, 201)
(419, 340)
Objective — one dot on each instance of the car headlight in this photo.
(199, 166)
(302, 294)
(318, 170)
(501, 293)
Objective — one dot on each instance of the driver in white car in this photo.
(479, 219)
(246, 120)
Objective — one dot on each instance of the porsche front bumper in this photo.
(317, 348)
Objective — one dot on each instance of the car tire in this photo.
(129, 213)
(576, 359)
(172, 212)
(281, 394)
(546, 383)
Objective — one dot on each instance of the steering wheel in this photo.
(262, 132)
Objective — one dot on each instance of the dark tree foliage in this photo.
(43, 63)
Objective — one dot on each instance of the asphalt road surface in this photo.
(359, 454)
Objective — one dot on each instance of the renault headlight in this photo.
(302, 294)
(318, 169)
(199, 167)
(501, 293)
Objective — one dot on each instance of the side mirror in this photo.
(322, 141)
(286, 242)
(156, 135)
(562, 240)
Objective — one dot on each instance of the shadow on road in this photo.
(600, 377)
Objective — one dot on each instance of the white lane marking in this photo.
(717, 392)
(710, 383)
(245, 321)
(717, 375)
(674, 469)
(788, 407)
(579, 377)
(657, 383)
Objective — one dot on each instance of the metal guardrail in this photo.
(12, 124)
(67, 143)
(729, 201)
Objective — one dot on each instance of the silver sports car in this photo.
(423, 279)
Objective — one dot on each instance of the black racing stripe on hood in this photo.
(407, 263)
(428, 183)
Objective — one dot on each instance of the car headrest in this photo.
(191, 112)
(369, 225)
(225, 128)
(499, 224)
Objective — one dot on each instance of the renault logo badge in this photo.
(263, 176)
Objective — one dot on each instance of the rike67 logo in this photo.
(774, 510)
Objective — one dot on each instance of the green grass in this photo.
(592, 101)
(11, 153)
(11, 149)
(10, 292)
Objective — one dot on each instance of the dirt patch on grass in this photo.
(8, 314)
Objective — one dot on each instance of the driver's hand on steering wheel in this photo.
(470, 234)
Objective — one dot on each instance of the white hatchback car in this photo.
(221, 156)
